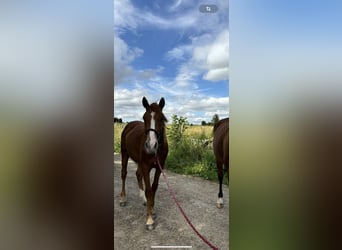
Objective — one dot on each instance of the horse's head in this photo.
(154, 121)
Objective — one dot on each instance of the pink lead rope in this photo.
(182, 211)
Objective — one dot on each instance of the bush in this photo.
(118, 127)
(178, 127)
(188, 154)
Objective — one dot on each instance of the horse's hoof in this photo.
(122, 203)
(219, 205)
(150, 226)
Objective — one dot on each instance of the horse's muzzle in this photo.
(151, 144)
(151, 147)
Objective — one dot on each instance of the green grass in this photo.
(118, 127)
(188, 156)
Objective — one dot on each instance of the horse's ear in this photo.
(162, 103)
(145, 103)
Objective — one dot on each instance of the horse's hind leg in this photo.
(141, 187)
(220, 178)
(124, 161)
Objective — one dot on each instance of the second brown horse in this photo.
(221, 151)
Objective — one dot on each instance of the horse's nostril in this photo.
(155, 145)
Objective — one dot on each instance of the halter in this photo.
(159, 138)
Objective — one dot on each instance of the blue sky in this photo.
(170, 49)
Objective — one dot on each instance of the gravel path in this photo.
(196, 196)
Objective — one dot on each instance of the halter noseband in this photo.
(159, 138)
(153, 130)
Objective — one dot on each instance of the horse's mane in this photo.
(220, 122)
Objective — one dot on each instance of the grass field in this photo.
(192, 156)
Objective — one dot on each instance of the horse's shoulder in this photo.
(132, 126)
(134, 123)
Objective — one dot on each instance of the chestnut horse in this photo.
(221, 151)
(143, 142)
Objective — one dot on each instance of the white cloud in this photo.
(205, 56)
(217, 58)
(175, 6)
(127, 104)
(148, 74)
(179, 53)
(123, 57)
(218, 54)
(209, 57)
(212, 57)
(201, 103)
(181, 4)
(185, 14)
(217, 74)
(124, 15)
(198, 107)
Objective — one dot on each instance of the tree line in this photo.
(214, 120)
(117, 120)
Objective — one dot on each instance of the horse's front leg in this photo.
(155, 186)
(140, 184)
(150, 200)
(124, 161)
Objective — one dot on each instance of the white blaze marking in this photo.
(153, 138)
(142, 194)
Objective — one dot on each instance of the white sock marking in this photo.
(142, 194)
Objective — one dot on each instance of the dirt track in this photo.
(196, 196)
